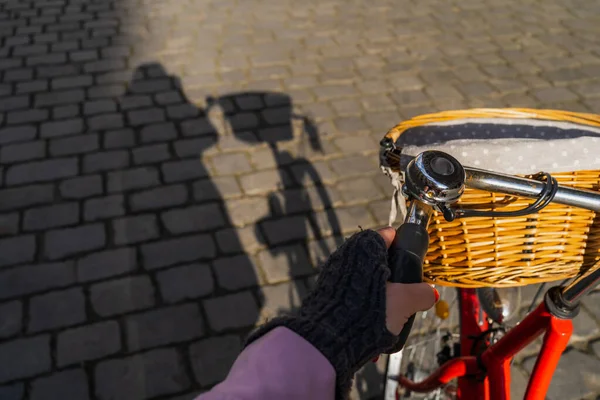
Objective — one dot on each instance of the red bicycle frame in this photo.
(487, 376)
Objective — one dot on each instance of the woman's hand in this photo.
(354, 314)
(403, 300)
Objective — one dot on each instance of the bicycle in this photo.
(446, 239)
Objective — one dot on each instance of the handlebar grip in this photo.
(406, 255)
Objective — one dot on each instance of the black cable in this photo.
(545, 197)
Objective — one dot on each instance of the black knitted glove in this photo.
(344, 317)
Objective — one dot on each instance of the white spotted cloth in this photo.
(512, 146)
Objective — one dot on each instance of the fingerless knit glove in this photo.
(344, 317)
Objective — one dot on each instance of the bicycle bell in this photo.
(437, 179)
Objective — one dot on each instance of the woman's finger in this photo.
(405, 299)
(388, 233)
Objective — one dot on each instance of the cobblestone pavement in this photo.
(172, 171)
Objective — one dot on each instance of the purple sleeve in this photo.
(280, 365)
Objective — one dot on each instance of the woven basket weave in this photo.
(558, 242)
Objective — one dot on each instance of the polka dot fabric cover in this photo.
(510, 146)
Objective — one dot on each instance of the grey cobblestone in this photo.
(53, 216)
(81, 187)
(99, 107)
(119, 138)
(132, 179)
(158, 132)
(33, 354)
(211, 358)
(74, 145)
(88, 342)
(122, 295)
(105, 161)
(193, 219)
(17, 134)
(135, 229)
(161, 197)
(9, 224)
(104, 207)
(173, 251)
(12, 315)
(231, 311)
(12, 392)
(177, 171)
(154, 373)
(70, 241)
(56, 310)
(105, 121)
(17, 249)
(185, 282)
(69, 384)
(151, 154)
(146, 116)
(106, 264)
(62, 128)
(26, 116)
(22, 152)
(164, 326)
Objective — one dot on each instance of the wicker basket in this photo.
(558, 242)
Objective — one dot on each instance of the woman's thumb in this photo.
(405, 299)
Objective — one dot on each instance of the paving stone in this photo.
(105, 161)
(88, 342)
(185, 282)
(59, 97)
(74, 145)
(131, 102)
(106, 264)
(104, 207)
(20, 152)
(99, 107)
(33, 354)
(158, 132)
(134, 229)
(243, 211)
(161, 197)
(177, 171)
(12, 319)
(12, 392)
(69, 384)
(281, 263)
(239, 240)
(17, 249)
(555, 94)
(105, 121)
(81, 187)
(39, 171)
(71, 241)
(193, 219)
(9, 224)
(62, 128)
(56, 310)
(236, 272)
(352, 166)
(232, 311)
(193, 147)
(197, 127)
(72, 81)
(212, 358)
(264, 181)
(123, 295)
(68, 111)
(17, 134)
(53, 216)
(217, 188)
(32, 87)
(13, 103)
(26, 116)
(281, 299)
(173, 251)
(164, 326)
(234, 163)
(151, 154)
(132, 179)
(150, 374)
(119, 138)
(35, 278)
(146, 116)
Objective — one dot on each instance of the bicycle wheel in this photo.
(434, 333)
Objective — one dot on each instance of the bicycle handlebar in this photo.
(436, 180)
